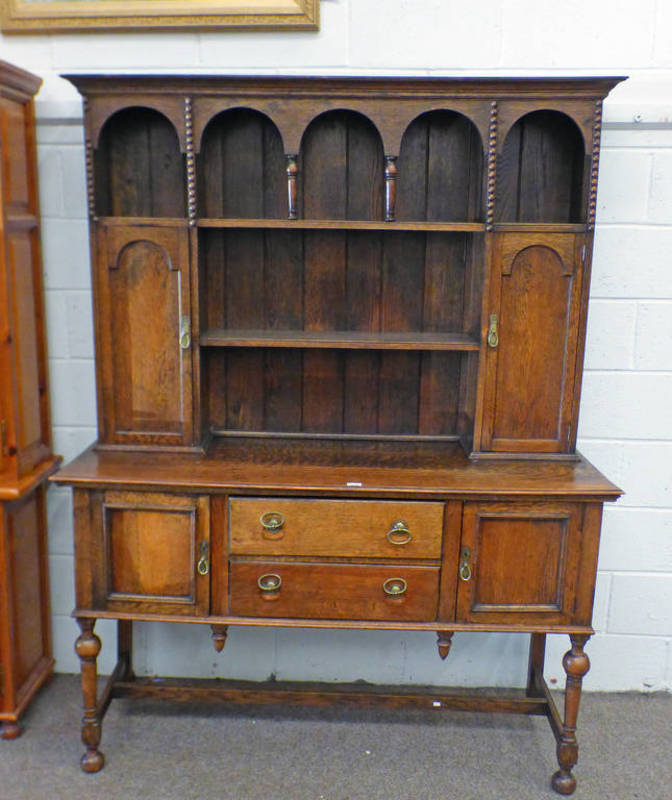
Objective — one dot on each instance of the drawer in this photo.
(333, 591)
(335, 528)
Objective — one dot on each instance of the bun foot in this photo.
(92, 761)
(10, 730)
(563, 782)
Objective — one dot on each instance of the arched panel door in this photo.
(531, 350)
(145, 337)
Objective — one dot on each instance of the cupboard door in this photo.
(533, 316)
(157, 553)
(24, 593)
(520, 563)
(145, 371)
(24, 405)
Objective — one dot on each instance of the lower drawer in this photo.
(334, 591)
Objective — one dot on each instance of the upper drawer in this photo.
(355, 528)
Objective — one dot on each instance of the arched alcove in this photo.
(540, 171)
(139, 170)
(241, 167)
(341, 168)
(440, 169)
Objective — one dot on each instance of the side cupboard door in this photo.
(144, 340)
(531, 364)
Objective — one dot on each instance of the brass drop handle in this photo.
(269, 582)
(203, 566)
(465, 567)
(399, 533)
(272, 521)
(493, 334)
(394, 587)
(185, 333)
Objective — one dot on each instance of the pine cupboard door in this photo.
(156, 553)
(532, 320)
(24, 406)
(144, 336)
(25, 634)
(525, 563)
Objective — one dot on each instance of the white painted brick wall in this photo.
(626, 415)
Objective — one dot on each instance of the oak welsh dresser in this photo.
(339, 332)
(26, 458)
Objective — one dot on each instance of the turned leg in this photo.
(125, 648)
(535, 667)
(87, 648)
(10, 729)
(576, 665)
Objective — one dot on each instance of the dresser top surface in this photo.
(348, 468)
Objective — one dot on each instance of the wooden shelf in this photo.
(540, 227)
(340, 340)
(346, 224)
(139, 222)
(342, 224)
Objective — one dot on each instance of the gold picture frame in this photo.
(52, 16)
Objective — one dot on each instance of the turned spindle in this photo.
(190, 161)
(492, 167)
(390, 188)
(292, 172)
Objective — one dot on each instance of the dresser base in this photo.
(536, 699)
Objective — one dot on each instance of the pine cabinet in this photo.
(26, 458)
(339, 339)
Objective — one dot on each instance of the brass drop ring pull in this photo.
(465, 568)
(203, 566)
(269, 582)
(493, 333)
(272, 521)
(394, 587)
(399, 533)
(185, 333)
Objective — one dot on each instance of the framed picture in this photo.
(41, 16)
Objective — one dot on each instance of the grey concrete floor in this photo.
(163, 750)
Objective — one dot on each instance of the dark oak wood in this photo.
(344, 340)
(338, 224)
(26, 458)
(362, 303)
(139, 169)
